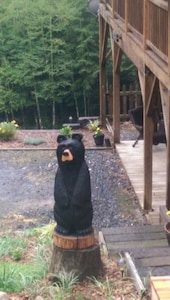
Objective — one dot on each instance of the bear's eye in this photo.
(70, 148)
(63, 147)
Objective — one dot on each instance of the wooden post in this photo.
(168, 156)
(116, 91)
(146, 84)
(103, 32)
(126, 15)
(145, 22)
(168, 119)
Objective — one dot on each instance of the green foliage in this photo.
(48, 57)
(98, 132)
(67, 280)
(8, 130)
(67, 131)
(105, 286)
(93, 125)
(34, 141)
(14, 277)
(18, 253)
(8, 245)
(128, 73)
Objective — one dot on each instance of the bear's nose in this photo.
(66, 155)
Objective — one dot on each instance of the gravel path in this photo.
(27, 182)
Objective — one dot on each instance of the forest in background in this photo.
(49, 65)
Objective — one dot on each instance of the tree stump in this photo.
(80, 255)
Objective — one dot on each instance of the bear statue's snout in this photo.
(66, 152)
(67, 155)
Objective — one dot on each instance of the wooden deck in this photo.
(147, 245)
(132, 159)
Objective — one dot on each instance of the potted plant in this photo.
(98, 134)
(67, 131)
(167, 228)
(98, 137)
(92, 125)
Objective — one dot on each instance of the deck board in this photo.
(147, 245)
(133, 161)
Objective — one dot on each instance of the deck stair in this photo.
(147, 245)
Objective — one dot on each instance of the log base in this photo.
(83, 262)
(73, 242)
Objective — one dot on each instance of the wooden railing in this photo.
(157, 34)
(130, 97)
(149, 19)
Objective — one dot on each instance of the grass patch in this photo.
(34, 141)
(14, 277)
(29, 275)
(11, 245)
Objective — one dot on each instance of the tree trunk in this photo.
(53, 114)
(85, 105)
(83, 262)
(38, 110)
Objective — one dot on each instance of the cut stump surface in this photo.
(83, 262)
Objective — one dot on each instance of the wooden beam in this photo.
(102, 71)
(169, 39)
(160, 3)
(141, 81)
(148, 134)
(168, 118)
(145, 23)
(168, 156)
(126, 15)
(116, 92)
(149, 106)
(165, 98)
(103, 41)
(165, 105)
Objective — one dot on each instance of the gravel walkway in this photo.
(27, 183)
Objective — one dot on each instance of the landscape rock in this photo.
(4, 296)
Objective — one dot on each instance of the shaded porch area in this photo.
(132, 159)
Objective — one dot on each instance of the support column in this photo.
(168, 156)
(117, 55)
(103, 34)
(147, 81)
(168, 119)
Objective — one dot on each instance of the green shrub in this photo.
(34, 141)
(93, 125)
(8, 130)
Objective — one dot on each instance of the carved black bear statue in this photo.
(73, 209)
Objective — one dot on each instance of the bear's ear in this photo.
(61, 137)
(77, 136)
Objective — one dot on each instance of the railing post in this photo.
(113, 8)
(126, 14)
(145, 22)
(168, 123)
(169, 39)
